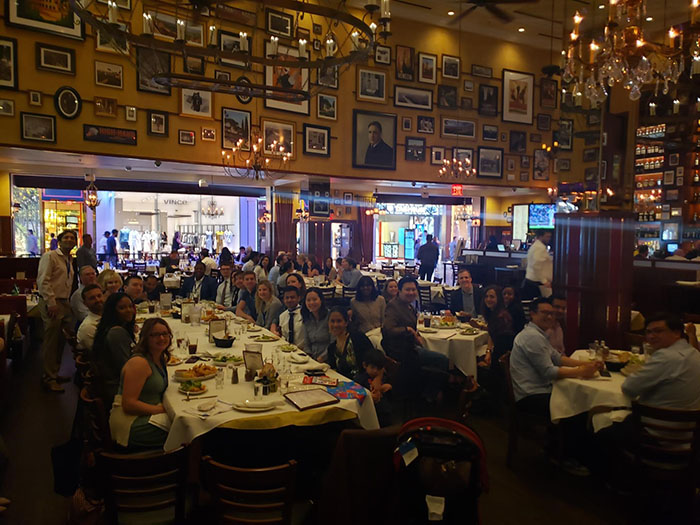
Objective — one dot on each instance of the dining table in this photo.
(184, 421)
(438, 292)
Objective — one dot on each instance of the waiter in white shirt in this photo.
(540, 268)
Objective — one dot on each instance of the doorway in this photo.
(341, 239)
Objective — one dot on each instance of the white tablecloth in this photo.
(462, 350)
(437, 291)
(576, 396)
(185, 427)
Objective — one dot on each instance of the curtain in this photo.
(284, 226)
(366, 224)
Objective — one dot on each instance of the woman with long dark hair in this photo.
(346, 352)
(264, 264)
(144, 379)
(114, 339)
(225, 257)
(367, 306)
(391, 290)
(511, 300)
(499, 321)
(296, 280)
(329, 270)
(315, 316)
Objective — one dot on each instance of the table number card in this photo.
(216, 326)
(166, 301)
(253, 360)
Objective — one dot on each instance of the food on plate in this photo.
(174, 361)
(287, 347)
(140, 319)
(226, 358)
(254, 328)
(265, 338)
(447, 321)
(193, 387)
(469, 330)
(198, 370)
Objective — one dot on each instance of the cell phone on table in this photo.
(192, 359)
(604, 373)
(314, 372)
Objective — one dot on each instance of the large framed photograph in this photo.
(415, 98)
(55, 59)
(287, 77)
(405, 63)
(415, 149)
(489, 132)
(104, 42)
(149, 63)
(427, 68)
(447, 97)
(490, 162)
(109, 75)
(541, 166)
(373, 140)
(518, 142)
(371, 85)
(488, 100)
(518, 96)
(40, 128)
(382, 55)
(278, 137)
(327, 76)
(231, 43)
(565, 134)
(317, 140)
(327, 106)
(165, 26)
(450, 66)
(8, 63)
(458, 128)
(57, 18)
(549, 93)
(279, 23)
(196, 103)
(235, 129)
(425, 124)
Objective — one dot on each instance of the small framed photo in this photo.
(590, 154)
(415, 149)
(676, 212)
(130, 113)
(680, 171)
(544, 121)
(603, 170)
(303, 33)
(489, 132)
(524, 176)
(425, 124)
(105, 107)
(7, 107)
(382, 55)
(317, 29)
(451, 66)
(563, 165)
(279, 133)
(406, 123)
(316, 44)
(504, 136)
(447, 97)
(185, 137)
(35, 98)
(327, 107)
(327, 76)
(235, 129)
(196, 103)
(469, 86)
(679, 181)
(371, 85)
(510, 177)
(405, 64)
(518, 97)
(668, 177)
(589, 174)
(208, 134)
(467, 103)
(525, 162)
(222, 75)
(671, 195)
(374, 139)
(348, 198)
(109, 75)
(317, 140)
(458, 128)
(437, 155)
(414, 98)
(518, 142)
(55, 59)
(465, 155)
(157, 123)
(673, 159)
(427, 68)
(490, 162)
(593, 118)
(536, 138)
(488, 100)
(549, 93)
(510, 164)
(231, 43)
(105, 43)
(36, 127)
(482, 71)
(8, 73)
(278, 23)
(193, 65)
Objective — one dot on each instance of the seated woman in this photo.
(110, 282)
(315, 316)
(144, 379)
(391, 290)
(114, 339)
(500, 324)
(347, 351)
(329, 270)
(367, 306)
(296, 280)
(511, 301)
(267, 305)
(314, 268)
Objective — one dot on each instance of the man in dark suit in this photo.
(379, 153)
(467, 298)
(199, 286)
(112, 248)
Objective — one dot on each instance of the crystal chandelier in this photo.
(91, 199)
(253, 163)
(456, 168)
(212, 211)
(302, 212)
(623, 55)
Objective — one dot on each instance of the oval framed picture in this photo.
(243, 99)
(68, 102)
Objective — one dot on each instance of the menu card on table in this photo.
(306, 399)
(218, 327)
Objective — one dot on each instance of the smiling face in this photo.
(126, 311)
(508, 295)
(465, 281)
(67, 242)
(409, 292)
(225, 271)
(392, 289)
(94, 300)
(544, 316)
(337, 325)
(159, 338)
(491, 299)
(199, 270)
(113, 284)
(291, 299)
(249, 282)
(264, 293)
(313, 302)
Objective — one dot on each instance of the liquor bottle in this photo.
(638, 150)
(697, 160)
(696, 177)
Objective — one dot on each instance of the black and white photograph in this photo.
(465, 156)
(468, 86)
(518, 142)
(104, 42)
(35, 98)
(382, 55)
(549, 93)
(231, 43)
(565, 134)
(673, 159)
(278, 137)
(105, 107)
(544, 121)
(415, 149)
(222, 75)
(524, 176)
(536, 138)
(458, 128)
(196, 103)
(185, 137)
(165, 27)
(150, 63)
(327, 107)
(415, 98)
(563, 164)
(279, 23)
(7, 107)
(488, 100)
(427, 68)
(317, 28)
(510, 164)
(157, 123)
(130, 113)
(193, 65)
(8, 63)
(450, 66)
(406, 123)
(405, 63)
(489, 132)
(590, 154)
(109, 75)
(55, 59)
(328, 76)
(371, 85)
(289, 77)
(490, 162)
(425, 124)
(525, 161)
(447, 97)
(541, 166)
(437, 155)
(374, 140)
(67, 102)
(317, 140)
(482, 71)
(40, 128)
(235, 129)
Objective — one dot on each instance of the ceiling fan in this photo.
(492, 7)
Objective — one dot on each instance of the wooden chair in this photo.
(410, 269)
(96, 431)
(388, 270)
(364, 267)
(425, 299)
(250, 495)
(448, 300)
(349, 293)
(437, 280)
(381, 283)
(328, 292)
(151, 486)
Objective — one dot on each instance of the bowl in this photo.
(463, 318)
(177, 314)
(225, 342)
(615, 366)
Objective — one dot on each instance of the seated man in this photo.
(199, 286)
(290, 324)
(88, 276)
(229, 300)
(246, 301)
(207, 260)
(467, 299)
(351, 275)
(556, 333)
(133, 287)
(152, 287)
(171, 263)
(252, 262)
(94, 301)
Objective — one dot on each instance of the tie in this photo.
(223, 297)
(291, 328)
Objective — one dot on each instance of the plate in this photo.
(288, 348)
(179, 379)
(253, 406)
(254, 329)
(446, 327)
(264, 338)
(428, 330)
(204, 389)
(174, 362)
(298, 359)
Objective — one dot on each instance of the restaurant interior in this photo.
(374, 133)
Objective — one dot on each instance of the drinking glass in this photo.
(257, 391)
(192, 345)
(219, 379)
(253, 347)
(195, 315)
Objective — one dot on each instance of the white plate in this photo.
(253, 406)
(179, 379)
(445, 327)
(298, 359)
(254, 329)
(193, 393)
(179, 362)
(428, 330)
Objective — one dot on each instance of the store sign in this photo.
(457, 190)
(175, 202)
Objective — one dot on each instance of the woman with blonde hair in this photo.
(110, 282)
(267, 305)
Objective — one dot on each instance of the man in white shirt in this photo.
(291, 325)
(678, 255)
(252, 262)
(102, 247)
(227, 292)
(55, 281)
(32, 244)
(94, 301)
(87, 275)
(209, 263)
(540, 268)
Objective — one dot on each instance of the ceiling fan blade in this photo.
(499, 13)
(462, 14)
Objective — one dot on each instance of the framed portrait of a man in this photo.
(374, 140)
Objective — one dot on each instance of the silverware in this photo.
(197, 398)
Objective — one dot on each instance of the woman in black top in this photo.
(176, 242)
(225, 256)
(500, 324)
(511, 300)
(345, 354)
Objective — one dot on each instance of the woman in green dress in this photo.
(144, 379)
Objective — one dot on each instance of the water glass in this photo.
(257, 391)
(196, 315)
(219, 379)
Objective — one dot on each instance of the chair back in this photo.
(424, 298)
(364, 267)
(526, 309)
(455, 272)
(387, 269)
(381, 283)
(349, 292)
(250, 495)
(96, 426)
(448, 300)
(140, 267)
(328, 292)
(410, 269)
(145, 483)
(505, 362)
(15, 304)
(437, 280)
(216, 274)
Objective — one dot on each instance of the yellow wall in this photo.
(474, 50)
(5, 193)
(497, 206)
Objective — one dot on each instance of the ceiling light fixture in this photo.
(521, 30)
(650, 19)
(450, 13)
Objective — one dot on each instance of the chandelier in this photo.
(457, 168)
(302, 212)
(212, 211)
(253, 163)
(209, 32)
(91, 199)
(623, 55)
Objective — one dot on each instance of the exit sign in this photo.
(456, 190)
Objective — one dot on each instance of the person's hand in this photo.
(376, 395)
(690, 330)
(547, 284)
(220, 307)
(587, 371)
(160, 409)
(376, 383)
(385, 388)
(52, 311)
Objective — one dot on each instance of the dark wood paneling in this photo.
(5, 236)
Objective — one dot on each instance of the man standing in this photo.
(94, 301)
(171, 263)
(85, 256)
(428, 255)
(453, 249)
(556, 333)
(32, 244)
(102, 247)
(88, 276)
(378, 153)
(112, 248)
(55, 281)
(466, 299)
(538, 276)
(199, 286)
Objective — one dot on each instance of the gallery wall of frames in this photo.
(427, 99)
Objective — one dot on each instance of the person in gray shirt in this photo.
(85, 255)
(351, 275)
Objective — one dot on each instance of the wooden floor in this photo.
(34, 421)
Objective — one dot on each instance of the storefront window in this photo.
(28, 217)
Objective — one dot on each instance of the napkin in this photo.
(161, 421)
(218, 409)
(298, 358)
(308, 367)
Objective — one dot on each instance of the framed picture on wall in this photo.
(518, 141)
(489, 133)
(437, 155)
(482, 71)
(327, 106)
(541, 165)
(7, 107)
(348, 198)
(458, 128)
(488, 100)
(406, 123)
(415, 149)
(382, 55)
(465, 156)
(8, 54)
(105, 107)
(549, 93)
(279, 23)
(405, 63)
(427, 68)
(374, 140)
(447, 97)
(544, 121)
(425, 124)
(231, 43)
(185, 137)
(104, 42)
(36, 127)
(150, 63)
(327, 76)
(565, 134)
(371, 85)
(518, 96)
(490, 162)
(109, 75)
(58, 18)
(55, 59)
(317, 140)
(196, 103)
(414, 98)
(235, 129)
(280, 133)
(450, 66)
(290, 77)
(525, 161)
(157, 123)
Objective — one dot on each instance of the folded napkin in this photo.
(298, 358)
(161, 421)
(219, 408)
(441, 334)
(309, 367)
